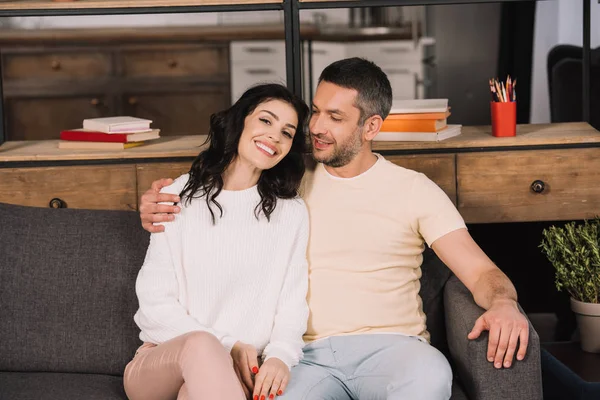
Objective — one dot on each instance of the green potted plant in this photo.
(574, 251)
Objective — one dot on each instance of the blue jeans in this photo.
(365, 367)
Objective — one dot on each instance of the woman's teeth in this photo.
(265, 148)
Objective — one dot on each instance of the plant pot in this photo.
(588, 321)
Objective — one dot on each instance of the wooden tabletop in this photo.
(472, 137)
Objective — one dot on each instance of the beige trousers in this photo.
(194, 366)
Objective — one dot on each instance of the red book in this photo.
(82, 135)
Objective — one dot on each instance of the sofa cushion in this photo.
(435, 274)
(58, 386)
(67, 289)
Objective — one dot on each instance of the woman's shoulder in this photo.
(177, 186)
(294, 207)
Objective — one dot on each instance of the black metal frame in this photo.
(291, 10)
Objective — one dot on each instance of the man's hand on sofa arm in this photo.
(491, 290)
(152, 212)
(479, 376)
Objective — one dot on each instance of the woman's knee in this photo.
(202, 344)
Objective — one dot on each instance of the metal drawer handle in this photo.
(172, 63)
(55, 65)
(260, 71)
(95, 102)
(319, 51)
(538, 186)
(57, 203)
(395, 50)
(259, 50)
(132, 101)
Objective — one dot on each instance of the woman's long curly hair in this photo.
(282, 181)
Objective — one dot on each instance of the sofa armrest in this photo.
(523, 380)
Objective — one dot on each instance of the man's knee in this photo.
(432, 374)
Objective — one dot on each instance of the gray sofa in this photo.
(67, 299)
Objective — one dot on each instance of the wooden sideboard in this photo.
(547, 172)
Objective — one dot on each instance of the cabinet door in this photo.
(43, 118)
(176, 114)
(321, 55)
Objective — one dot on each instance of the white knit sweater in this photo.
(240, 279)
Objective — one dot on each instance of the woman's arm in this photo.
(286, 341)
(161, 316)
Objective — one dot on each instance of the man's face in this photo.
(335, 135)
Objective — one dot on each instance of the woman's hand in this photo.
(271, 380)
(245, 363)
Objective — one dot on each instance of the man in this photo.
(370, 220)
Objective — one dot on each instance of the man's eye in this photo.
(336, 119)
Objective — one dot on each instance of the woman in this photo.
(226, 282)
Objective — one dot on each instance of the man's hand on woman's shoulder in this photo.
(152, 212)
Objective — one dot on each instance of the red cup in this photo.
(504, 118)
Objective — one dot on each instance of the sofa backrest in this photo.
(434, 276)
(67, 289)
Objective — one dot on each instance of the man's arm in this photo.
(492, 290)
(152, 212)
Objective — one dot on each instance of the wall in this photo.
(556, 21)
(466, 50)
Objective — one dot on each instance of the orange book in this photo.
(413, 125)
(419, 116)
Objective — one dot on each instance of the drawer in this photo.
(258, 51)
(106, 187)
(207, 61)
(244, 76)
(51, 115)
(529, 185)
(55, 65)
(439, 168)
(178, 113)
(387, 53)
(150, 172)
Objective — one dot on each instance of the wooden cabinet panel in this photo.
(110, 187)
(439, 168)
(529, 185)
(148, 173)
(185, 113)
(207, 61)
(44, 118)
(55, 65)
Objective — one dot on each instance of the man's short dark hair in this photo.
(372, 84)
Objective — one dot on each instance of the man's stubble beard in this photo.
(342, 153)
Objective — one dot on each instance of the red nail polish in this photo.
(262, 397)
(279, 392)
(255, 370)
(271, 396)
(256, 397)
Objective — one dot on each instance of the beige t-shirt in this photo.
(367, 236)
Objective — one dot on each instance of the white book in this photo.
(450, 131)
(419, 106)
(123, 124)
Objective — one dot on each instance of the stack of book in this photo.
(418, 120)
(111, 133)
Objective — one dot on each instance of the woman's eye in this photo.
(289, 135)
(266, 121)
